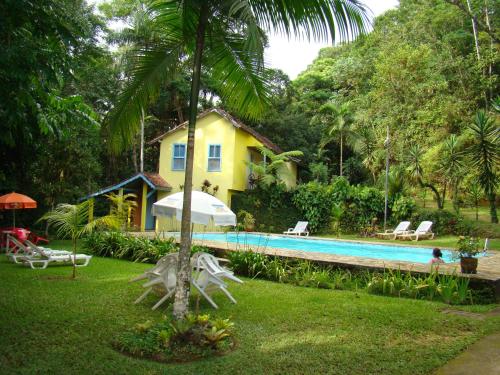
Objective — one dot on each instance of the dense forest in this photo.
(416, 84)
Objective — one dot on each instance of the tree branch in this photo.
(478, 22)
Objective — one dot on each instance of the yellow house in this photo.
(222, 146)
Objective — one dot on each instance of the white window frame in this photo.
(215, 145)
(178, 157)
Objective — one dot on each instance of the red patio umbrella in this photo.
(14, 201)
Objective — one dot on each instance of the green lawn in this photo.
(447, 242)
(469, 213)
(51, 324)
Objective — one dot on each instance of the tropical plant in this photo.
(475, 193)
(366, 145)
(226, 39)
(247, 219)
(123, 206)
(272, 169)
(451, 164)
(416, 171)
(338, 120)
(485, 156)
(467, 247)
(72, 220)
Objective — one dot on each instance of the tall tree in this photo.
(485, 156)
(416, 171)
(338, 119)
(226, 40)
(451, 165)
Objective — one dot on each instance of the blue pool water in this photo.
(388, 252)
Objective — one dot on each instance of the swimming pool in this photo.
(357, 249)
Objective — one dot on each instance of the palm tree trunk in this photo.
(74, 257)
(181, 302)
(341, 152)
(493, 208)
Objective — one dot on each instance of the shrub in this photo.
(444, 222)
(193, 337)
(273, 210)
(138, 249)
(314, 201)
(450, 289)
(402, 208)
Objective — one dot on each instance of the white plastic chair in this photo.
(164, 272)
(167, 278)
(209, 276)
(300, 229)
(157, 269)
(402, 228)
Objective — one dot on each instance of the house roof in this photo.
(234, 121)
(154, 181)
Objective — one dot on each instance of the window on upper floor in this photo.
(179, 157)
(214, 158)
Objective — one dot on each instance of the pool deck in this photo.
(488, 267)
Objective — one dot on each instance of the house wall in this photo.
(233, 176)
(211, 129)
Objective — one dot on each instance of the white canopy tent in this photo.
(204, 208)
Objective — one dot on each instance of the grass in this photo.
(469, 213)
(446, 242)
(51, 324)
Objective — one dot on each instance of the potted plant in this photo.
(247, 219)
(467, 249)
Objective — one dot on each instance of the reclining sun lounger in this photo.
(300, 229)
(42, 257)
(402, 228)
(423, 231)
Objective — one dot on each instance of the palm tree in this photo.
(272, 169)
(339, 120)
(451, 166)
(366, 144)
(122, 207)
(225, 39)
(485, 156)
(72, 220)
(416, 171)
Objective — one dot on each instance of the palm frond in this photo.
(238, 74)
(149, 69)
(319, 19)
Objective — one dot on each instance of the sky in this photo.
(293, 56)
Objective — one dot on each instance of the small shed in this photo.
(146, 186)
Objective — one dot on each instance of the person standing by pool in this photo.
(437, 257)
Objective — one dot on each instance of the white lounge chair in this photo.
(209, 276)
(21, 251)
(423, 231)
(402, 228)
(164, 272)
(42, 257)
(300, 229)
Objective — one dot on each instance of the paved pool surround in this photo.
(488, 267)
